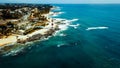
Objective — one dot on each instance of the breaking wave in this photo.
(74, 26)
(73, 20)
(94, 28)
(59, 45)
(62, 34)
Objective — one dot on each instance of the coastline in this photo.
(55, 24)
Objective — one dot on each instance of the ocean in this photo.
(93, 41)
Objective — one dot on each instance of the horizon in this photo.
(62, 1)
(59, 3)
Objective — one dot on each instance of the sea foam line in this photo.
(74, 26)
(73, 20)
(94, 28)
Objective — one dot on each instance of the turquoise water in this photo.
(80, 48)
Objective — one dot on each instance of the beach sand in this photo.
(8, 40)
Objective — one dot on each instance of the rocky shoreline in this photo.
(38, 36)
(46, 27)
(8, 48)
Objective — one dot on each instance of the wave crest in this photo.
(74, 26)
(94, 28)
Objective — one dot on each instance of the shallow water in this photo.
(79, 48)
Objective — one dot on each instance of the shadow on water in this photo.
(50, 57)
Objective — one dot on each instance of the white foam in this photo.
(14, 52)
(60, 12)
(56, 8)
(54, 14)
(63, 27)
(57, 13)
(73, 20)
(74, 26)
(62, 34)
(59, 45)
(93, 28)
(65, 20)
(66, 23)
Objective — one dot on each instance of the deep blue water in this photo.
(81, 48)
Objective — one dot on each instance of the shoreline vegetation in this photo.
(22, 23)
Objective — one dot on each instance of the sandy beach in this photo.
(8, 40)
